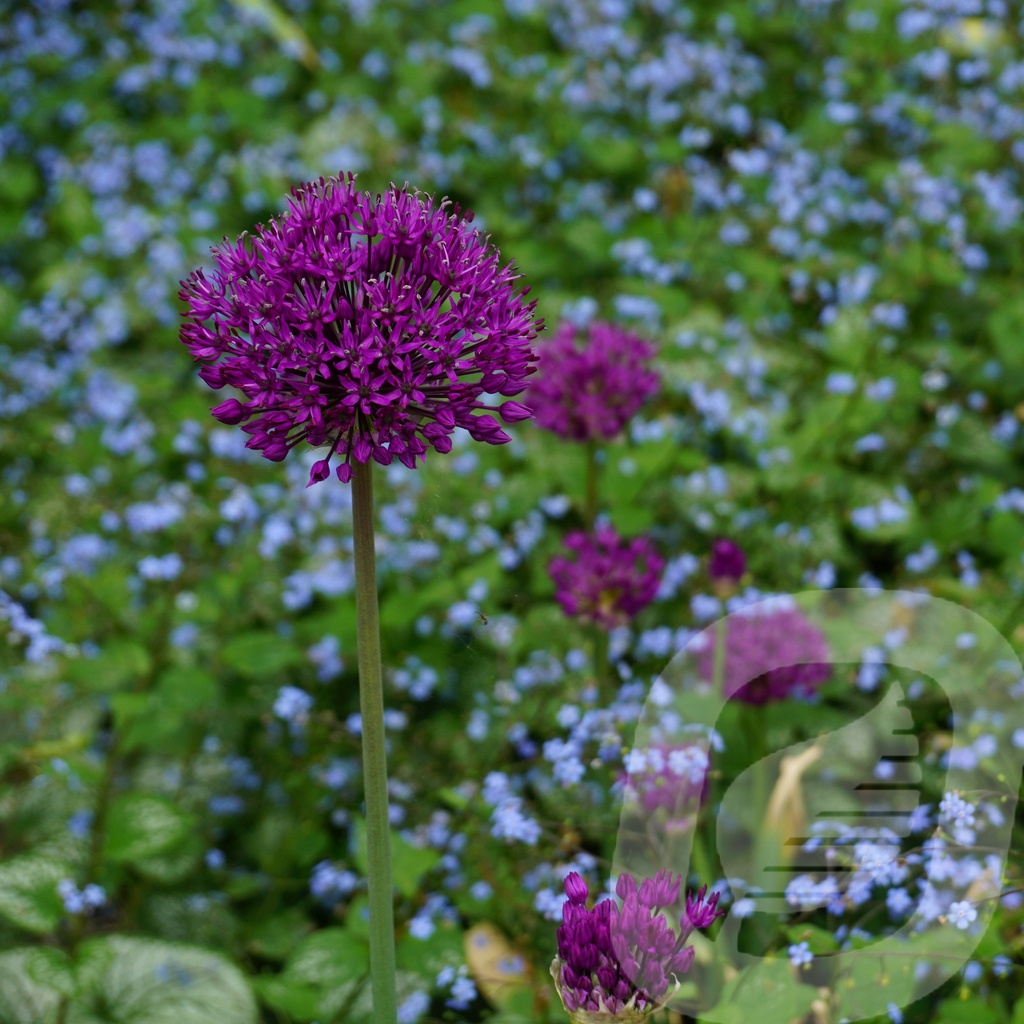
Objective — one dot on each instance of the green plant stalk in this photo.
(702, 858)
(718, 665)
(375, 769)
(602, 668)
(765, 843)
(592, 474)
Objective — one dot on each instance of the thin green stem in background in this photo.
(593, 474)
(702, 857)
(375, 768)
(766, 841)
(718, 665)
(602, 668)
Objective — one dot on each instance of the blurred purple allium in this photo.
(622, 961)
(667, 778)
(727, 562)
(374, 325)
(772, 632)
(607, 579)
(590, 393)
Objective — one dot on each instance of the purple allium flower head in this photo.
(374, 325)
(606, 579)
(727, 562)
(590, 393)
(768, 633)
(621, 961)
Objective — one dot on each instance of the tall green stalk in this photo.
(718, 665)
(592, 474)
(766, 839)
(375, 768)
(602, 669)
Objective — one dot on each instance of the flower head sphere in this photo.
(771, 632)
(374, 325)
(590, 393)
(606, 579)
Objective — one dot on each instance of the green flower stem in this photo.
(375, 769)
(765, 842)
(701, 857)
(593, 474)
(718, 665)
(602, 669)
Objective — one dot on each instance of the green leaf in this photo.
(408, 863)
(146, 981)
(242, 885)
(285, 29)
(31, 984)
(454, 798)
(325, 972)
(361, 1009)
(765, 991)
(444, 948)
(187, 689)
(328, 958)
(121, 663)
(274, 938)
(1006, 327)
(612, 156)
(299, 1002)
(849, 337)
(128, 707)
(259, 654)
(152, 726)
(1018, 1012)
(18, 181)
(969, 1011)
(963, 147)
(141, 826)
(818, 939)
(51, 968)
(28, 892)
(281, 841)
(174, 864)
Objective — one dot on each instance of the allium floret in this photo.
(590, 392)
(374, 325)
(606, 579)
(619, 963)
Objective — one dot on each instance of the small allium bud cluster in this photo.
(620, 961)
(727, 562)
